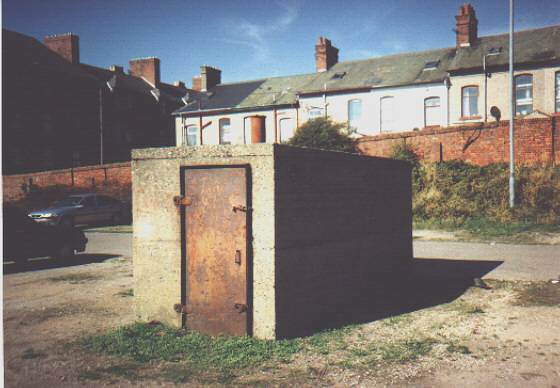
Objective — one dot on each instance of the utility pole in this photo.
(511, 112)
(101, 125)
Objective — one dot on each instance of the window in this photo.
(387, 114)
(286, 129)
(432, 111)
(315, 112)
(431, 65)
(190, 135)
(225, 131)
(558, 91)
(469, 101)
(524, 94)
(354, 113)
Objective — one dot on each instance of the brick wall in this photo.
(537, 140)
(109, 178)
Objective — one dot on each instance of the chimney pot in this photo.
(147, 68)
(66, 45)
(326, 55)
(466, 26)
(116, 69)
(197, 83)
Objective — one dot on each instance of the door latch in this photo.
(181, 200)
(240, 307)
(241, 208)
(238, 257)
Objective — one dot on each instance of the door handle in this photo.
(240, 307)
(238, 257)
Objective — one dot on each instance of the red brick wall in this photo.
(110, 178)
(536, 140)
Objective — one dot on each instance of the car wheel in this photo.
(116, 219)
(66, 251)
(67, 221)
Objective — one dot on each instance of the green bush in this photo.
(455, 192)
(323, 133)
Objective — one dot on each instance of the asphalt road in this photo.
(508, 262)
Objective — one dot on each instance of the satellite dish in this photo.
(495, 112)
(156, 94)
(186, 99)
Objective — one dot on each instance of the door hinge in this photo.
(182, 308)
(181, 200)
(241, 208)
(240, 307)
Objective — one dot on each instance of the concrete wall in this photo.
(157, 228)
(537, 140)
(341, 220)
(498, 93)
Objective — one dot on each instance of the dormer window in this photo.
(431, 65)
(339, 75)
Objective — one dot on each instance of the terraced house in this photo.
(404, 92)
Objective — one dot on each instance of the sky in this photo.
(257, 39)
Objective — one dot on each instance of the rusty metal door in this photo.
(216, 221)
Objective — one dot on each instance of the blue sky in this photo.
(255, 39)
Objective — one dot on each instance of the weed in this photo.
(397, 321)
(30, 354)
(463, 307)
(452, 348)
(539, 294)
(76, 278)
(328, 341)
(124, 294)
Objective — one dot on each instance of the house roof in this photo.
(532, 47)
(135, 84)
(22, 51)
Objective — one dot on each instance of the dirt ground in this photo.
(506, 336)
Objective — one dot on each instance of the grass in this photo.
(482, 229)
(200, 355)
(464, 307)
(30, 354)
(77, 278)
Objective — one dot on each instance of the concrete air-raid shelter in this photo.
(265, 240)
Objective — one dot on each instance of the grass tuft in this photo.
(76, 278)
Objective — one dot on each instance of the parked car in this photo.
(24, 238)
(81, 209)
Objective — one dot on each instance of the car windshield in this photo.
(70, 201)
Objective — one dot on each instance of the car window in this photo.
(70, 201)
(88, 201)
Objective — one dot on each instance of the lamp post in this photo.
(511, 112)
(491, 52)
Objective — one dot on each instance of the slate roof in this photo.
(535, 47)
(22, 50)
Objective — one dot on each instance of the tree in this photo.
(323, 133)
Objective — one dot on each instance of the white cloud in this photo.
(255, 35)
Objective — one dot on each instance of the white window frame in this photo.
(466, 105)
(391, 121)
(527, 101)
(193, 128)
(352, 122)
(315, 113)
(557, 83)
(434, 107)
(224, 131)
(284, 120)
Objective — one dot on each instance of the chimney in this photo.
(326, 55)
(147, 68)
(209, 77)
(179, 84)
(466, 26)
(116, 69)
(196, 83)
(66, 45)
